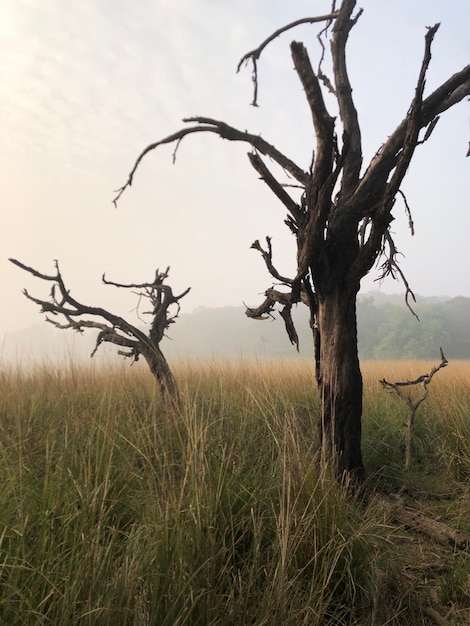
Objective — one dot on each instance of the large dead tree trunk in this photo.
(339, 212)
(340, 382)
(161, 370)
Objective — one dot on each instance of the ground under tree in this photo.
(338, 210)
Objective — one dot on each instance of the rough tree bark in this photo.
(341, 217)
(117, 330)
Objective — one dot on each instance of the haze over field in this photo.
(386, 330)
(86, 86)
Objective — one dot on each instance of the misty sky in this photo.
(85, 86)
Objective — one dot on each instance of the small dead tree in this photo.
(338, 211)
(114, 329)
(413, 402)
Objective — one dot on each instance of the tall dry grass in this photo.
(116, 510)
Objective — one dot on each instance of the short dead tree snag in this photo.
(114, 329)
(413, 403)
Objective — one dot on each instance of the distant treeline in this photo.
(390, 331)
(386, 330)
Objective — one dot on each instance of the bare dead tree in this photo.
(413, 402)
(114, 329)
(341, 221)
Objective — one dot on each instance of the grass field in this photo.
(117, 511)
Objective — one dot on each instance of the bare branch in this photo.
(224, 131)
(390, 267)
(414, 125)
(276, 187)
(286, 314)
(375, 194)
(75, 308)
(352, 150)
(423, 379)
(155, 286)
(255, 54)
(449, 93)
(111, 336)
(32, 271)
(429, 130)
(79, 325)
(264, 311)
(322, 121)
(408, 212)
(321, 76)
(267, 256)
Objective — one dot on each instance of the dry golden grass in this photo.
(117, 511)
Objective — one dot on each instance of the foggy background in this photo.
(86, 86)
(386, 330)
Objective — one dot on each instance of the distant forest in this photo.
(386, 329)
(389, 331)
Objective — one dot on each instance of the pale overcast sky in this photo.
(85, 86)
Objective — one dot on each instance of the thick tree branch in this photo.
(264, 311)
(375, 194)
(414, 125)
(351, 150)
(322, 121)
(448, 94)
(311, 248)
(232, 134)
(278, 190)
(286, 314)
(224, 131)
